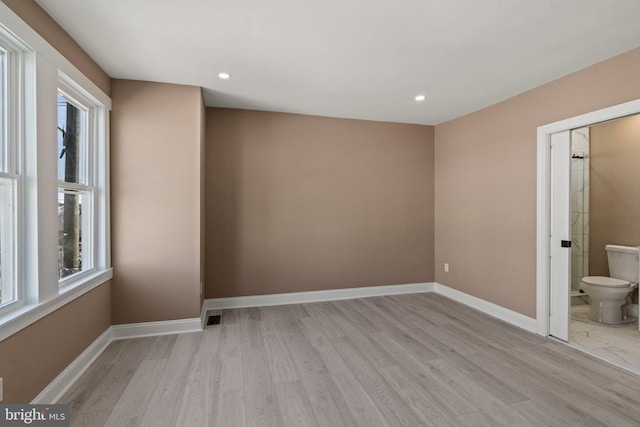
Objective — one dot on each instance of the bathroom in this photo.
(605, 210)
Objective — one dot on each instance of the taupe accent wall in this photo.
(614, 210)
(33, 357)
(302, 203)
(155, 201)
(485, 166)
(30, 12)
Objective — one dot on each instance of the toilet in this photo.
(611, 296)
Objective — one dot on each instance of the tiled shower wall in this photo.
(579, 206)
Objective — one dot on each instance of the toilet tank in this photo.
(623, 262)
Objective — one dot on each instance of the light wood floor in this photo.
(409, 360)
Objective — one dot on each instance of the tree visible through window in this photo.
(73, 191)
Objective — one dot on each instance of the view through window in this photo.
(74, 192)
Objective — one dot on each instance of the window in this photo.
(54, 179)
(76, 187)
(10, 138)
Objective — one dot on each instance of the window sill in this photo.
(25, 315)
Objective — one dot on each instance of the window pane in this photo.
(3, 110)
(74, 237)
(8, 282)
(71, 142)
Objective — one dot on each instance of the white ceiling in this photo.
(363, 59)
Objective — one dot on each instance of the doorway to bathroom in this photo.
(605, 210)
(586, 180)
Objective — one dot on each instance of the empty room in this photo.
(298, 213)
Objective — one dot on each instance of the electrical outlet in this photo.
(446, 267)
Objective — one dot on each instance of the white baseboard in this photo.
(148, 329)
(62, 382)
(486, 307)
(66, 378)
(313, 296)
(525, 322)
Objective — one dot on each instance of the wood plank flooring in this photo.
(408, 360)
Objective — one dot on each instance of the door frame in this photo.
(543, 214)
(560, 230)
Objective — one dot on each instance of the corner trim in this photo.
(149, 329)
(56, 388)
(313, 296)
(512, 317)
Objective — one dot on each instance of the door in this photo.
(560, 238)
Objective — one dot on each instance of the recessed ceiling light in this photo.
(420, 98)
(224, 76)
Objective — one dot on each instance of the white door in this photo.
(560, 239)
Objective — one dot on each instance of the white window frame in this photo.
(10, 219)
(87, 187)
(44, 71)
(97, 181)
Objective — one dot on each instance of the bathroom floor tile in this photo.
(619, 344)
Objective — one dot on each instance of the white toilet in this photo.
(611, 296)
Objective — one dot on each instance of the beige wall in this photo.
(296, 203)
(41, 22)
(301, 203)
(155, 201)
(485, 221)
(33, 357)
(615, 189)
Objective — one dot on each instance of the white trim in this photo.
(93, 113)
(313, 296)
(54, 391)
(543, 227)
(203, 315)
(514, 318)
(20, 318)
(59, 386)
(148, 329)
(17, 69)
(494, 310)
(62, 382)
(543, 196)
